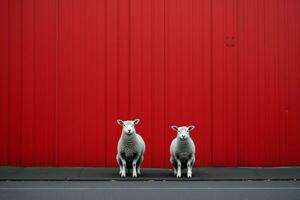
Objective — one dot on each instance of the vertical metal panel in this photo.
(4, 47)
(65, 97)
(254, 90)
(265, 58)
(293, 85)
(38, 94)
(70, 68)
(14, 81)
(224, 83)
(188, 73)
(28, 77)
(158, 84)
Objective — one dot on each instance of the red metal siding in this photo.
(70, 68)
(225, 83)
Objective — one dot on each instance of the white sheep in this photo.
(131, 148)
(182, 151)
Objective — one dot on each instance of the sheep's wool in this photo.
(183, 151)
(130, 146)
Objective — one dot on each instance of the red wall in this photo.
(70, 68)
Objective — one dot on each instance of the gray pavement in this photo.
(107, 174)
(149, 190)
(76, 183)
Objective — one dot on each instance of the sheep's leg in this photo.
(179, 169)
(120, 164)
(134, 173)
(139, 166)
(189, 167)
(189, 170)
(138, 170)
(173, 164)
(123, 173)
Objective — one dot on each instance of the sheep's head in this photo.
(183, 132)
(128, 126)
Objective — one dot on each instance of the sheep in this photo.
(182, 150)
(131, 148)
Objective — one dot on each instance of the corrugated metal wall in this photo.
(70, 68)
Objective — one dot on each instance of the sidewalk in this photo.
(148, 174)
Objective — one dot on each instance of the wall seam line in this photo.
(129, 59)
(8, 82)
(212, 84)
(21, 84)
(56, 78)
(165, 76)
(105, 78)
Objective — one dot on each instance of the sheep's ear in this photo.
(136, 121)
(190, 128)
(175, 128)
(120, 122)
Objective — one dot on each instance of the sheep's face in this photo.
(183, 132)
(128, 126)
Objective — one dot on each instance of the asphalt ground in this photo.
(74, 183)
(150, 190)
(148, 174)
